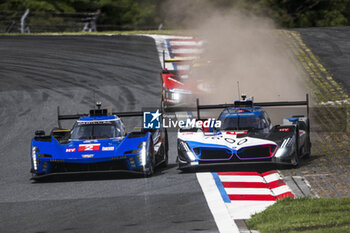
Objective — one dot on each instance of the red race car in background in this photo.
(179, 87)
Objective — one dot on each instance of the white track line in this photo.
(245, 209)
(222, 217)
(256, 191)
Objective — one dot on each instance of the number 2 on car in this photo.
(89, 147)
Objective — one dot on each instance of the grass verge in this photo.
(307, 215)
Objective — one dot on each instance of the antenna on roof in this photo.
(94, 98)
(239, 92)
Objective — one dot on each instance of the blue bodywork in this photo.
(50, 154)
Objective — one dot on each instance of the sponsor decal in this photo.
(192, 123)
(88, 156)
(108, 148)
(283, 130)
(187, 133)
(237, 132)
(89, 147)
(95, 122)
(70, 150)
(90, 141)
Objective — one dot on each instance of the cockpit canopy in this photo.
(97, 129)
(243, 119)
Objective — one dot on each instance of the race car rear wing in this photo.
(247, 103)
(94, 112)
(260, 104)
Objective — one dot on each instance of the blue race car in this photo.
(98, 142)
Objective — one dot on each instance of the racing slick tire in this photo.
(165, 149)
(308, 148)
(296, 159)
(149, 172)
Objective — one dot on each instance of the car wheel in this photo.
(308, 149)
(165, 149)
(149, 172)
(162, 104)
(165, 158)
(296, 158)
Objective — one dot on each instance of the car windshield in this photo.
(241, 123)
(97, 130)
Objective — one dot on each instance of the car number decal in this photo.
(89, 147)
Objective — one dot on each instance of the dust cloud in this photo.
(246, 49)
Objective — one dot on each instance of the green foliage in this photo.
(309, 13)
(150, 13)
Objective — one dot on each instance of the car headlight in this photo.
(35, 150)
(175, 96)
(188, 151)
(143, 154)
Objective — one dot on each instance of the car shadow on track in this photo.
(105, 175)
(250, 167)
(232, 168)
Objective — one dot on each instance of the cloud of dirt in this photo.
(244, 48)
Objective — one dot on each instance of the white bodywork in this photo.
(228, 139)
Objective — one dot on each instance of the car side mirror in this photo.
(39, 133)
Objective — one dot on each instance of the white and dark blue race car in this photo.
(246, 136)
(97, 142)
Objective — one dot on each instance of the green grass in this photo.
(159, 32)
(307, 215)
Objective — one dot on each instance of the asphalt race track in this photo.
(332, 46)
(40, 72)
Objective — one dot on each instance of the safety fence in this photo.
(38, 21)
